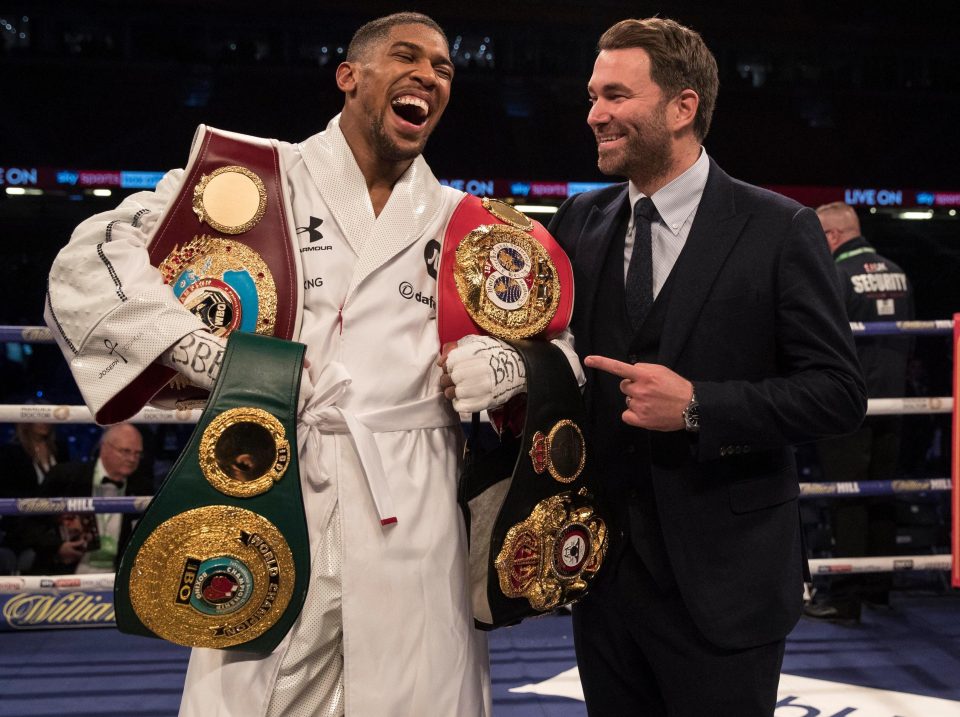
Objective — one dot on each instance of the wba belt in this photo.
(536, 540)
(224, 245)
(221, 557)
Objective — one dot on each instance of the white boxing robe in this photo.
(369, 323)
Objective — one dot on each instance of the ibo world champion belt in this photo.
(221, 557)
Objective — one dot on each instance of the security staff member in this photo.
(875, 289)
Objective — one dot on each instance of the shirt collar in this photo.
(677, 200)
(99, 473)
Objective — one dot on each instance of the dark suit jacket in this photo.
(18, 480)
(755, 320)
(72, 480)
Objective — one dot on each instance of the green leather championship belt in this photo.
(221, 557)
(536, 537)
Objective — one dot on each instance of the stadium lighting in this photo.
(535, 209)
(916, 215)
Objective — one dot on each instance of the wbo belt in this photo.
(221, 557)
(225, 247)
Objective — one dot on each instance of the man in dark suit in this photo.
(25, 463)
(715, 337)
(68, 544)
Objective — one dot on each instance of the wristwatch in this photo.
(691, 414)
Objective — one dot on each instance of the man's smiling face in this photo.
(628, 116)
(402, 86)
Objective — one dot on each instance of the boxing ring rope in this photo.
(33, 413)
(86, 600)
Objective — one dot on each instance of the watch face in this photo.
(691, 415)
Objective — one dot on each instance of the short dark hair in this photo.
(679, 60)
(377, 30)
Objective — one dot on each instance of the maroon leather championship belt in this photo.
(502, 274)
(226, 248)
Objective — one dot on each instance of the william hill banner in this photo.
(61, 601)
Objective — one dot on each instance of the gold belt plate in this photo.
(506, 281)
(243, 452)
(215, 576)
(549, 557)
(231, 199)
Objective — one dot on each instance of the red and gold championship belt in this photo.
(502, 274)
(536, 537)
(226, 248)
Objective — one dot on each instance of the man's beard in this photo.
(647, 153)
(386, 148)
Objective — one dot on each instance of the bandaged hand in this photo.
(197, 357)
(482, 373)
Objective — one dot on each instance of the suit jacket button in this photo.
(633, 358)
(723, 451)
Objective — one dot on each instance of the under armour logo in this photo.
(313, 231)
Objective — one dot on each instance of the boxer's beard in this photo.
(389, 150)
(646, 155)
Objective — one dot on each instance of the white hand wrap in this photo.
(198, 357)
(486, 372)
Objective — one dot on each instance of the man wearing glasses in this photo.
(87, 542)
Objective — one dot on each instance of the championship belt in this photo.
(501, 273)
(225, 247)
(221, 556)
(536, 540)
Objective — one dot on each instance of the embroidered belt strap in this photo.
(501, 273)
(536, 536)
(221, 557)
(226, 247)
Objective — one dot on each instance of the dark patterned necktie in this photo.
(639, 284)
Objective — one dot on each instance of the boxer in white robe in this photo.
(386, 628)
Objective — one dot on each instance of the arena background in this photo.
(813, 93)
(860, 98)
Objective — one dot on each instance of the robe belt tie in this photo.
(321, 414)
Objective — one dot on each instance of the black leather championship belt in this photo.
(226, 248)
(221, 557)
(536, 539)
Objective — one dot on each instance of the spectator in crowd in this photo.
(87, 542)
(25, 464)
(874, 289)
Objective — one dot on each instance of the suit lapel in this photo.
(602, 226)
(715, 230)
